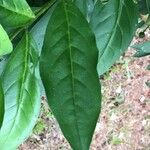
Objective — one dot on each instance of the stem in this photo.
(39, 13)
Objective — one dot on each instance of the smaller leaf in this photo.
(22, 94)
(1, 104)
(15, 13)
(148, 67)
(143, 49)
(5, 44)
(114, 25)
(148, 83)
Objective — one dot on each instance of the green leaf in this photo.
(114, 25)
(144, 6)
(22, 95)
(14, 13)
(5, 44)
(68, 71)
(148, 83)
(1, 104)
(148, 67)
(143, 49)
(39, 29)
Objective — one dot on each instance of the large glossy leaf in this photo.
(1, 104)
(68, 71)
(114, 25)
(14, 13)
(22, 95)
(5, 44)
(143, 49)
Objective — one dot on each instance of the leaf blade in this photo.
(114, 30)
(21, 88)
(14, 13)
(5, 43)
(143, 49)
(68, 71)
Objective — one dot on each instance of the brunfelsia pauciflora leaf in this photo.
(68, 71)
(22, 94)
(67, 64)
(142, 49)
(114, 25)
(14, 13)
(5, 43)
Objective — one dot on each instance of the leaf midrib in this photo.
(72, 68)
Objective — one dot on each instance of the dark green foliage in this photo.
(37, 3)
(22, 94)
(113, 29)
(14, 13)
(68, 71)
(142, 49)
(80, 38)
(144, 6)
